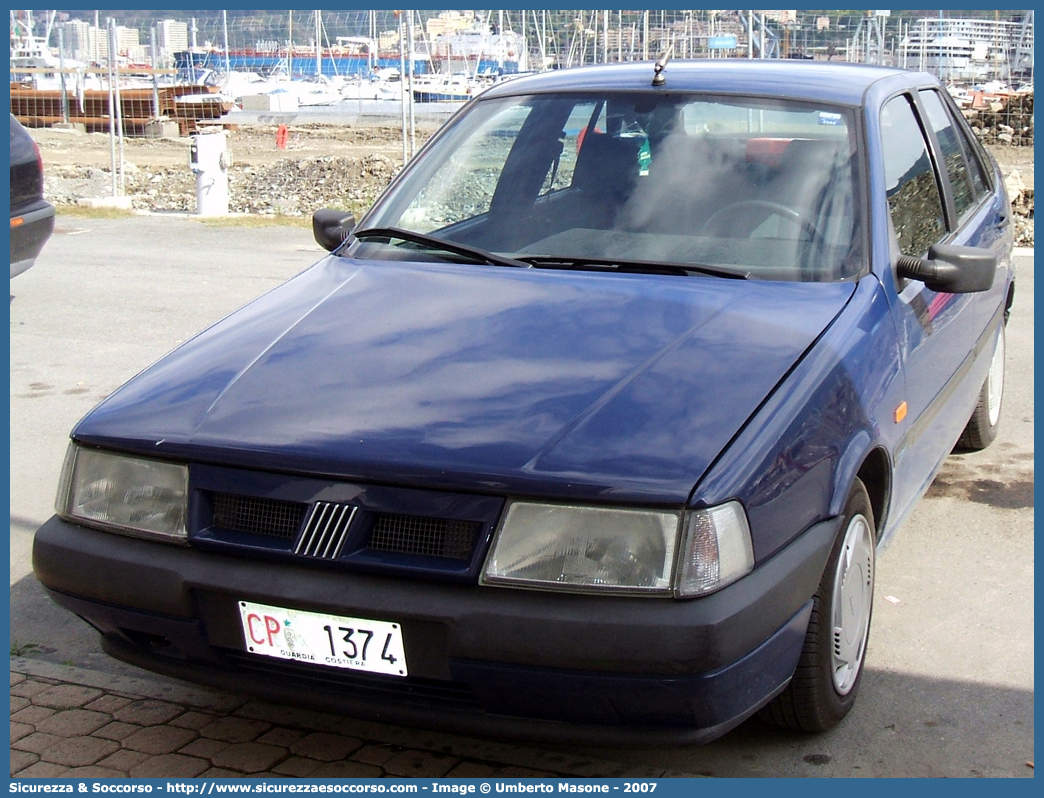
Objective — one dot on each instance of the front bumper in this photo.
(482, 659)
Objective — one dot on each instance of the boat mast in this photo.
(373, 45)
(428, 51)
(318, 45)
(619, 35)
(413, 56)
(400, 23)
(224, 28)
(541, 33)
(47, 32)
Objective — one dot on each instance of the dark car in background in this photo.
(32, 217)
(601, 414)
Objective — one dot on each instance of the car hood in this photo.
(526, 381)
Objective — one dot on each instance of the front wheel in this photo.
(827, 678)
(982, 426)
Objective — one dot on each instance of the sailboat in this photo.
(33, 63)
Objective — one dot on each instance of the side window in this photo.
(561, 173)
(604, 150)
(463, 186)
(951, 152)
(913, 193)
(973, 154)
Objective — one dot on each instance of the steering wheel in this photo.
(725, 219)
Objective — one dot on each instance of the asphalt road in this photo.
(948, 689)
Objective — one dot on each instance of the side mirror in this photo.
(951, 269)
(332, 227)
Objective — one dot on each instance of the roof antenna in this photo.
(659, 79)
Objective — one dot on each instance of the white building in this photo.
(171, 37)
(82, 41)
(87, 43)
(961, 49)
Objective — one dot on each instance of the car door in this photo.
(936, 195)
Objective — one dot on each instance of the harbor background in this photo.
(200, 67)
(966, 45)
(324, 107)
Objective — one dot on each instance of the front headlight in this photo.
(584, 549)
(132, 495)
(607, 550)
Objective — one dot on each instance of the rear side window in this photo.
(913, 192)
(973, 153)
(953, 155)
(975, 162)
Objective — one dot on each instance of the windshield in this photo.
(766, 188)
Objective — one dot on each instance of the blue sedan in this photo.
(593, 425)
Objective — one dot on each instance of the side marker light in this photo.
(900, 413)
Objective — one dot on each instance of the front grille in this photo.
(326, 530)
(431, 537)
(271, 517)
(340, 532)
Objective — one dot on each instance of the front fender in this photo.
(793, 463)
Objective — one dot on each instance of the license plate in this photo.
(336, 641)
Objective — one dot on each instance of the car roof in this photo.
(826, 81)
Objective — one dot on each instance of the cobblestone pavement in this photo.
(73, 722)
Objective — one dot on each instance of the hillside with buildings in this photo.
(958, 45)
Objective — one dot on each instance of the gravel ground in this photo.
(345, 166)
(325, 165)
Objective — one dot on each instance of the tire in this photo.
(982, 426)
(826, 681)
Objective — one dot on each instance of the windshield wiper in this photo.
(438, 244)
(632, 266)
